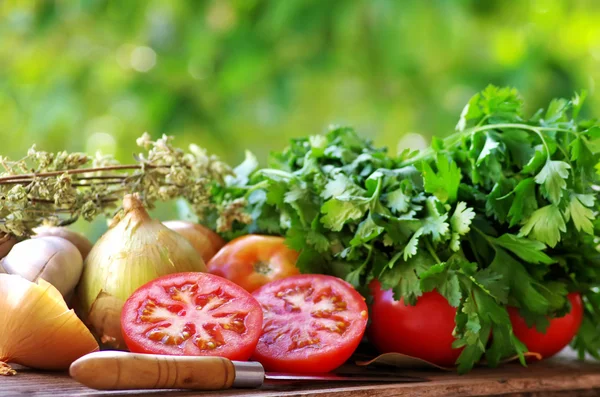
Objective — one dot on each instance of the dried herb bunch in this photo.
(59, 188)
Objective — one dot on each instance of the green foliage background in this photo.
(232, 75)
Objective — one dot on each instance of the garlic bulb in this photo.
(204, 240)
(134, 251)
(7, 241)
(53, 259)
(78, 240)
(37, 329)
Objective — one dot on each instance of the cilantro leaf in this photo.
(488, 149)
(338, 212)
(398, 201)
(460, 222)
(412, 246)
(435, 223)
(498, 201)
(461, 219)
(444, 280)
(242, 172)
(583, 156)
(337, 186)
(366, 231)
(403, 276)
(529, 250)
(445, 182)
(553, 176)
(522, 287)
(581, 215)
(519, 146)
(524, 202)
(545, 225)
(536, 162)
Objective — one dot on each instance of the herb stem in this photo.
(456, 138)
(274, 172)
(11, 178)
(431, 250)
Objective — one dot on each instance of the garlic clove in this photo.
(7, 241)
(38, 329)
(52, 258)
(78, 240)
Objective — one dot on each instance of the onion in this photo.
(204, 240)
(135, 250)
(37, 329)
(53, 259)
(78, 240)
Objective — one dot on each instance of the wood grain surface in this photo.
(560, 376)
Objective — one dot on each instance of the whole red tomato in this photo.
(192, 314)
(559, 333)
(312, 323)
(252, 261)
(423, 330)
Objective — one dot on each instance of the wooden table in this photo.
(560, 376)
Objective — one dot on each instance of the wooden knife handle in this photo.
(113, 370)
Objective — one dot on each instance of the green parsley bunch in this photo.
(501, 213)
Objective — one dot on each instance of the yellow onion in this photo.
(135, 250)
(204, 240)
(78, 240)
(37, 329)
(54, 259)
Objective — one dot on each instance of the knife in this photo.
(116, 370)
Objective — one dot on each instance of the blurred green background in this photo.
(232, 75)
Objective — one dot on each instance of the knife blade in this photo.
(116, 370)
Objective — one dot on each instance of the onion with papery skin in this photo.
(37, 329)
(54, 259)
(77, 239)
(135, 250)
(204, 240)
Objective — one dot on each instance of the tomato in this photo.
(423, 330)
(204, 240)
(253, 260)
(196, 314)
(312, 323)
(559, 333)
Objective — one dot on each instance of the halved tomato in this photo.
(254, 260)
(312, 323)
(196, 314)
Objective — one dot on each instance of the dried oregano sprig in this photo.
(59, 188)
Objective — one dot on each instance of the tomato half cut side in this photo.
(196, 314)
(312, 323)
